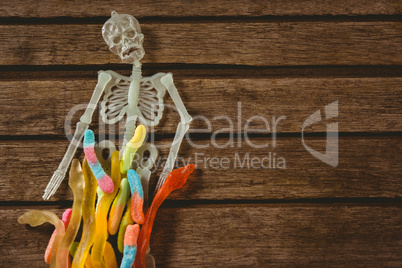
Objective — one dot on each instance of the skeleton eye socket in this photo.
(130, 34)
(116, 40)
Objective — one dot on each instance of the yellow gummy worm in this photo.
(125, 221)
(36, 218)
(101, 214)
(132, 147)
(88, 262)
(88, 216)
(109, 256)
(100, 194)
(73, 250)
(76, 183)
(118, 207)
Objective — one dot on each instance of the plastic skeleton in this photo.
(139, 98)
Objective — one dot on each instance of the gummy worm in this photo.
(88, 262)
(76, 183)
(101, 215)
(125, 221)
(73, 251)
(66, 220)
(88, 216)
(118, 206)
(104, 181)
(137, 197)
(130, 246)
(100, 194)
(37, 217)
(132, 147)
(174, 180)
(109, 256)
(73, 248)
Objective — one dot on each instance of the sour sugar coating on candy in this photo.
(66, 220)
(88, 216)
(137, 197)
(36, 218)
(125, 221)
(104, 181)
(175, 180)
(118, 207)
(76, 183)
(101, 215)
(130, 246)
(131, 148)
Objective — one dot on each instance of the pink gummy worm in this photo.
(175, 180)
(131, 235)
(104, 181)
(66, 220)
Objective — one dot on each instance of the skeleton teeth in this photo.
(130, 51)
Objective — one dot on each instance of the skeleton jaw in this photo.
(132, 54)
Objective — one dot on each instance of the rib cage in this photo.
(150, 101)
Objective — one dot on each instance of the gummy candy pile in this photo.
(100, 200)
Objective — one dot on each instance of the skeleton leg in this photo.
(167, 81)
(181, 130)
(85, 120)
(174, 149)
(143, 168)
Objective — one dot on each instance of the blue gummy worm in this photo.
(128, 256)
(135, 183)
(89, 140)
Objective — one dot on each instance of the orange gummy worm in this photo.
(175, 180)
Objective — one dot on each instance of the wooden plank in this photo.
(256, 43)
(237, 170)
(182, 8)
(365, 105)
(246, 236)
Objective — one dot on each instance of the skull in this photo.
(122, 33)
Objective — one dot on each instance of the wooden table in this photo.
(231, 61)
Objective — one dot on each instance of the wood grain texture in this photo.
(244, 206)
(256, 43)
(183, 8)
(365, 105)
(245, 236)
(368, 167)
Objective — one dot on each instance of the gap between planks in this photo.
(362, 201)
(203, 19)
(191, 71)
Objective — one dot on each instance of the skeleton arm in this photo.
(181, 130)
(85, 120)
(103, 79)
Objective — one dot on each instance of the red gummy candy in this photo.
(174, 181)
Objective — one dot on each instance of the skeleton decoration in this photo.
(139, 98)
